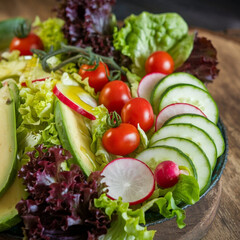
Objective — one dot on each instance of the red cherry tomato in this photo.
(96, 78)
(159, 62)
(121, 140)
(24, 45)
(114, 95)
(166, 174)
(138, 110)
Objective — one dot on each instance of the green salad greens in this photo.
(74, 201)
(146, 33)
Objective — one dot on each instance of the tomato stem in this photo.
(79, 53)
(22, 29)
(114, 119)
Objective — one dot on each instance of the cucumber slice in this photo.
(154, 155)
(186, 93)
(196, 154)
(172, 79)
(203, 123)
(191, 132)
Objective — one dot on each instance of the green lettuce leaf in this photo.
(36, 110)
(186, 190)
(125, 221)
(50, 32)
(12, 65)
(182, 50)
(147, 33)
(133, 80)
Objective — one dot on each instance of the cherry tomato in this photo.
(114, 95)
(24, 45)
(138, 110)
(96, 78)
(166, 174)
(121, 140)
(159, 62)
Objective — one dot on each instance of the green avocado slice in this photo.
(8, 213)
(75, 137)
(8, 139)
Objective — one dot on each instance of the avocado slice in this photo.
(75, 137)
(8, 139)
(8, 213)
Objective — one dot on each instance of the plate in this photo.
(153, 218)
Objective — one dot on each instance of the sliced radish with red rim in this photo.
(147, 84)
(130, 179)
(76, 98)
(173, 110)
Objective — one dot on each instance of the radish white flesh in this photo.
(130, 179)
(76, 98)
(147, 84)
(173, 110)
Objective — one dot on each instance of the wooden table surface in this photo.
(226, 92)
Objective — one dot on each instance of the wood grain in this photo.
(226, 92)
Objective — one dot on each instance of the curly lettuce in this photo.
(36, 109)
(125, 221)
(50, 32)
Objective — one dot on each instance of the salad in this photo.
(103, 124)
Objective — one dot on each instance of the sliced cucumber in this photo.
(196, 154)
(203, 123)
(186, 93)
(172, 79)
(191, 132)
(154, 155)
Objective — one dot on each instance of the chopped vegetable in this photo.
(130, 179)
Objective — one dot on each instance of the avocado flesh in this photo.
(8, 213)
(75, 137)
(8, 140)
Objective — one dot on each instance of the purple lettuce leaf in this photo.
(61, 203)
(88, 23)
(202, 63)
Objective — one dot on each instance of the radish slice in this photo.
(173, 110)
(148, 83)
(130, 179)
(76, 98)
(23, 84)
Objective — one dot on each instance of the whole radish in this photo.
(166, 174)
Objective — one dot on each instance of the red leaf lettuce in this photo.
(61, 203)
(202, 63)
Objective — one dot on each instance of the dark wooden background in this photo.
(224, 18)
